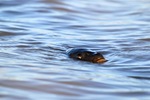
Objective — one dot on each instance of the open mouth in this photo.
(100, 60)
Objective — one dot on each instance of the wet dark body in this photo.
(86, 55)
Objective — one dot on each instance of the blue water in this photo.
(34, 37)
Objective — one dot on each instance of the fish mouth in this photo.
(100, 60)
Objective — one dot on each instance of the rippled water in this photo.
(34, 37)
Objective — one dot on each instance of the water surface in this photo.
(34, 37)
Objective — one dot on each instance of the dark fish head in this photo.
(86, 55)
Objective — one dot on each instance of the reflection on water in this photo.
(34, 37)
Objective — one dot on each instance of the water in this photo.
(34, 37)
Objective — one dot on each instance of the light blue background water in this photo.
(34, 37)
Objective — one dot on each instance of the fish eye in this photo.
(79, 55)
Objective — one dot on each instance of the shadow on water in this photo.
(34, 37)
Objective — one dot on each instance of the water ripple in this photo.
(34, 37)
